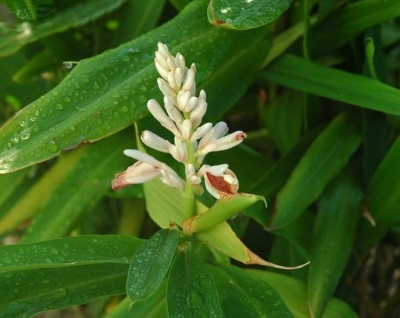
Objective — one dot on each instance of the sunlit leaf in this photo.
(245, 14)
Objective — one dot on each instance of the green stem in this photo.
(189, 203)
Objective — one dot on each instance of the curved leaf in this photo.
(106, 93)
(245, 14)
(62, 272)
(150, 264)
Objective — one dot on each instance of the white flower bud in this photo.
(162, 49)
(161, 68)
(141, 156)
(165, 88)
(171, 63)
(182, 99)
(201, 131)
(157, 112)
(189, 84)
(196, 116)
(171, 80)
(186, 129)
(180, 61)
(156, 142)
(221, 128)
(162, 61)
(191, 104)
(140, 172)
(178, 77)
(172, 111)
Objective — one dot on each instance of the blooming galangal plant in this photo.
(182, 115)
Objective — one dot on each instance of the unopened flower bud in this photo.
(156, 142)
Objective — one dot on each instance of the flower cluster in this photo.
(182, 116)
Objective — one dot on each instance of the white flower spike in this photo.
(182, 115)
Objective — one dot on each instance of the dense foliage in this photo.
(313, 85)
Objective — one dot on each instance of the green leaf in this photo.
(63, 272)
(324, 159)
(222, 210)
(164, 204)
(244, 15)
(313, 78)
(294, 294)
(153, 307)
(334, 235)
(137, 18)
(9, 183)
(383, 198)
(150, 264)
(106, 93)
(84, 184)
(16, 36)
(244, 296)
(348, 22)
(191, 289)
(39, 193)
(222, 238)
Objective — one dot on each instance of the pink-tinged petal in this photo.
(140, 172)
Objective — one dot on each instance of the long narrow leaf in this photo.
(329, 153)
(313, 78)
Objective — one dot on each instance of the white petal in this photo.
(180, 61)
(178, 77)
(196, 116)
(141, 156)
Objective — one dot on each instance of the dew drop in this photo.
(126, 58)
(124, 109)
(52, 147)
(143, 88)
(26, 134)
(67, 99)
(59, 106)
